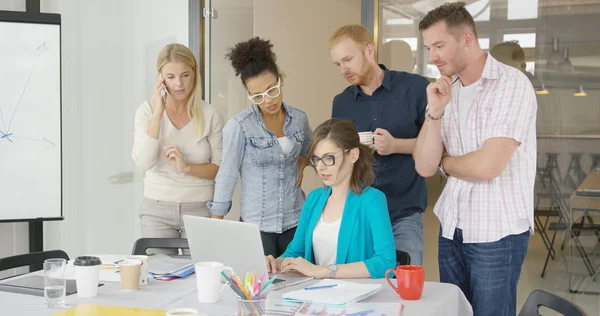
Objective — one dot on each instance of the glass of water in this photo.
(55, 278)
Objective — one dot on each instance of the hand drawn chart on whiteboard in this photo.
(30, 118)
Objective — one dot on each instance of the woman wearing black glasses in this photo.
(267, 145)
(344, 230)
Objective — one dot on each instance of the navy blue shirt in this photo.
(397, 106)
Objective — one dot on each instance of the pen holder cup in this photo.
(251, 307)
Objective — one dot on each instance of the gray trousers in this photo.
(160, 219)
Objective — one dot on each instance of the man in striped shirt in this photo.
(480, 132)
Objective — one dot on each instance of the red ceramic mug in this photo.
(411, 280)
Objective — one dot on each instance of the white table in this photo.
(437, 299)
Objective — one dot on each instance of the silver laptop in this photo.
(235, 244)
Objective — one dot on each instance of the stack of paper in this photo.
(333, 293)
(358, 309)
(99, 310)
(166, 268)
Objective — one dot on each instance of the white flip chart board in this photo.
(30, 116)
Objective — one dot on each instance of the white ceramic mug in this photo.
(144, 273)
(366, 138)
(208, 279)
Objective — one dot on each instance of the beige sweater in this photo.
(162, 181)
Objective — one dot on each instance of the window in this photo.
(530, 67)
(526, 40)
(480, 10)
(412, 41)
(522, 9)
(399, 21)
(484, 43)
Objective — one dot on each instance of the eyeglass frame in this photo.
(320, 159)
(265, 94)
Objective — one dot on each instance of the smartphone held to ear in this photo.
(163, 91)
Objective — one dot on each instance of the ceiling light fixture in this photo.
(542, 90)
(580, 92)
(555, 57)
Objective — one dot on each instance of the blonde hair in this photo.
(358, 33)
(180, 53)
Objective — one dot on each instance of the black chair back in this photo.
(33, 260)
(141, 245)
(402, 258)
(539, 298)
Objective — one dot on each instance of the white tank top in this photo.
(286, 145)
(325, 239)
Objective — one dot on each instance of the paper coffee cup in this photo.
(87, 273)
(130, 274)
(143, 270)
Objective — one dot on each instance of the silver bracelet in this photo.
(435, 118)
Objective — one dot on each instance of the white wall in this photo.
(12, 5)
(14, 238)
(300, 31)
(234, 23)
(109, 55)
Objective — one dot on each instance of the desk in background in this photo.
(585, 212)
(565, 143)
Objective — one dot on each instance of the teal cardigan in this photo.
(365, 231)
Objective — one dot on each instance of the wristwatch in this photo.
(332, 270)
(441, 166)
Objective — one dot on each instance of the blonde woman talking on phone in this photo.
(178, 142)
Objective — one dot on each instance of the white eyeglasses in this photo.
(272, 93)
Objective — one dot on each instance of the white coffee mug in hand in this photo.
(144, 271)
(87, 273)
(366, 138)
(208, 279)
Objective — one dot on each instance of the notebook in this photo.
(357, 309)
(99, 310)
(342, 293)
(166, 268)
(34, 285)
(161, 264)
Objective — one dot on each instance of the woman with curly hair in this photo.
(267, 145)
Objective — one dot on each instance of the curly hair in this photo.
(253, 57)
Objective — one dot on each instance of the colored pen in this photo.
(262, 278)
(226, 277)
(258, 288)
(362, 313)
(268, 283)
(250, 291)
(237, 291)
(239, 282)
(320, 287)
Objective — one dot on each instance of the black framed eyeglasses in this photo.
(327, 160)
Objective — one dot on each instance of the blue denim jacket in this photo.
(270, 198)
